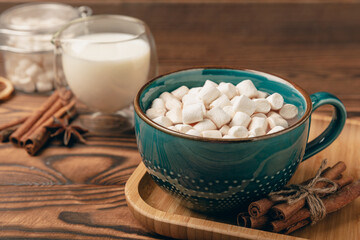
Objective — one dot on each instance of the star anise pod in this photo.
(61, 127)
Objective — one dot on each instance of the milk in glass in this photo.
(105, 70)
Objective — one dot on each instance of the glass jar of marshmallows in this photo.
(25, 42)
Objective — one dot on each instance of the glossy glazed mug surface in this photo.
(214, 175)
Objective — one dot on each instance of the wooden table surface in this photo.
(78, 192)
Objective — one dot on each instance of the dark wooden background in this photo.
(78, 193)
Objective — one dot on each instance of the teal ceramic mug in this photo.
(209, 174)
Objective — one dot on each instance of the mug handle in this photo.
(335, 127)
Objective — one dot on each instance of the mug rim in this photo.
(157, 126)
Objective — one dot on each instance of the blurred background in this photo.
(312, 43)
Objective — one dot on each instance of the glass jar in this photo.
(25, 42)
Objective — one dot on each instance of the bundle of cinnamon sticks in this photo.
(30, 131)
(283, 217)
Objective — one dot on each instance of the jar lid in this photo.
(42, 17)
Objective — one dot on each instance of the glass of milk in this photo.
(104, 60)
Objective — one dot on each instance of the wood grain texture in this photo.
(161, 213)
(78, 192)
(75, 193)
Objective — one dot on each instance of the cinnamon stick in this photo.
(262, 206)
(284, 211)
(13, 123)
(262, 222)
(40, 136)
(5, 134)
(8, 128)
(15, 137)
(297, 226)
(46, 115)
(344, 181)
(245, 220)
(341, 183)
(332, 203)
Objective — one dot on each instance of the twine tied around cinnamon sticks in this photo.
(270, 215)
(310, 193)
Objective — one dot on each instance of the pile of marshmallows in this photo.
(222, 111)
(30, 72)
(33, 71)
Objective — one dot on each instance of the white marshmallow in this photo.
(218, 116)
(288, 111)
(43, 78)
(234, 99)
(191, 98)
(44, 86)
(228, 137)
(155, 112)
(196, 101)
(163, 121)
(262, 105)
(251, 135)
(180, 92)
(14, 79)
(208, 94)
(33, 70)
(172, 103)
(276, 101)
(259, 115)
(24, 63)
(221, 102)
(224, 130)
(210, 83)
(165, 96)
(158, 103)
(238, 131)
(194, 90)
(204, 125)
(172, 128)
(240, 119)
(275, 119)
(203, 108)
(192, 113)
(244, 104)
(183, 128)
(27, 85)
(261, 94)
(175, 115)
(211, 134)
(273, 114)
(258, 122)
(257, 132)
(275, 129)
(229, 111)
(20, 72)
(247, 88)
(228, 89)
(193, 132)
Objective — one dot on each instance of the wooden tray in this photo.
(161, 213)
